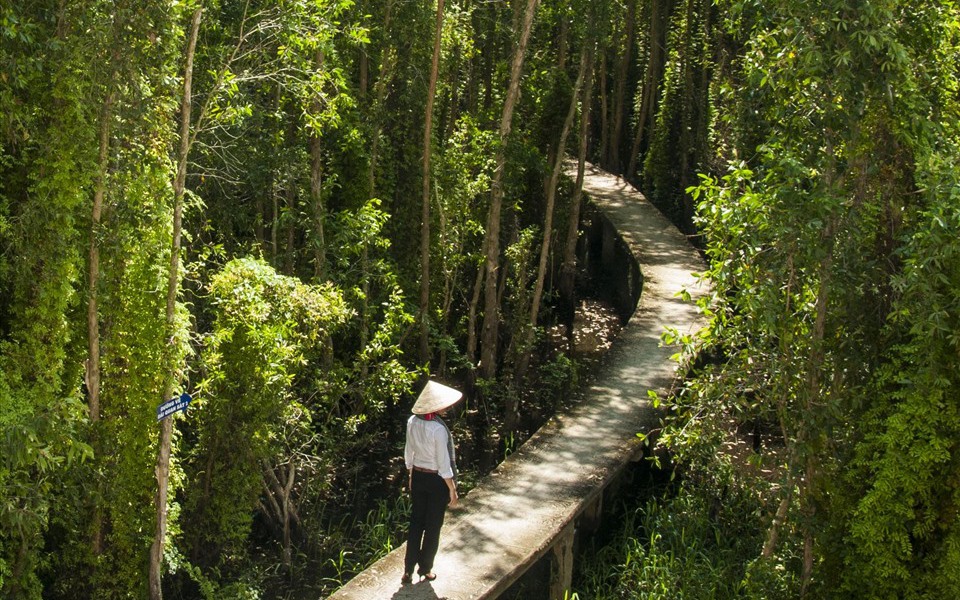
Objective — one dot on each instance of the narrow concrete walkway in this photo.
(517, 513)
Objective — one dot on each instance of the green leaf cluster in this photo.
(833, 312)
(265, 328)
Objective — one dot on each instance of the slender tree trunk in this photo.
(319, 212)
(568, 269)
(287, 514)
(388, 58)
(387, 62)
(92, 375)
(93, 320)
(604, 115)
(173, 286)
(449, 285)
(472, 314)
(527, 345)
(703, 96)
(451, 112)
(620, 102)
(651, 84)
(290, 195)
(773, 533)
(491, 308)
(425, 198)
(275, 185)
(289, 252)
(686, 119)
(770, 544)
(364, 66)
(563, 41)
(814, 371)
(316, 190)
(487, 56)
(259, 230)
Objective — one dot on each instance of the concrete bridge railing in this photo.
(533, 504)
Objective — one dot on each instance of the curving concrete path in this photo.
(531, 503)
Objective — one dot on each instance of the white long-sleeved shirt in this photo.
(427, 448)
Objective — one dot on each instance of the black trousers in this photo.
(430, 496)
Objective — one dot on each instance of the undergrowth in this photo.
(700, 543)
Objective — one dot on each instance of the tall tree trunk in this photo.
(686, 118)
(316, 190)
(173, 286)
(92, 375)
(563, 35)
(472, 314)
(487, 72)
(388, 60)
(275, 185)
(261, 218)
(773, 532)
(363, 63)
(491, 308)
(651, 82)
(526, 348)
(703, 95)
(93, 320)
(450, 278)
(620, 102)
(425, 198)
(568, 269)
(289, 251)
(814, 372)
(604, 113)
(290, 195)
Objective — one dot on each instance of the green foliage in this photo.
(264, 326)
(902, 531)
(695, 544)
(678, 144)
(358, 543)
(135, 260)
(43, 171)
(830, 240)
(830, 268)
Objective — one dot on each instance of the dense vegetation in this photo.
(295, 209)
(818, 436)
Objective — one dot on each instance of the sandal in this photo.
(406, 579)
(429, 576)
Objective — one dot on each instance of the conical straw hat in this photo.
(434, 398)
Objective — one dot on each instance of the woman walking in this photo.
(432, 466)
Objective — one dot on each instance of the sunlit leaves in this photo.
(834, 304)
(266, 325)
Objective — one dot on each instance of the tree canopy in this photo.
(295, 210)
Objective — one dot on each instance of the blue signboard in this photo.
(173, 405)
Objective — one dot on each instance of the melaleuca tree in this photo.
(462, 180)
(820, 244)
(264, 327)
(678, 142)
(134, 345)
(897, 502)
(898, 499)
(47, 165)
(369, 358)
(129, 250)
(490, 328)
(653, 43)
